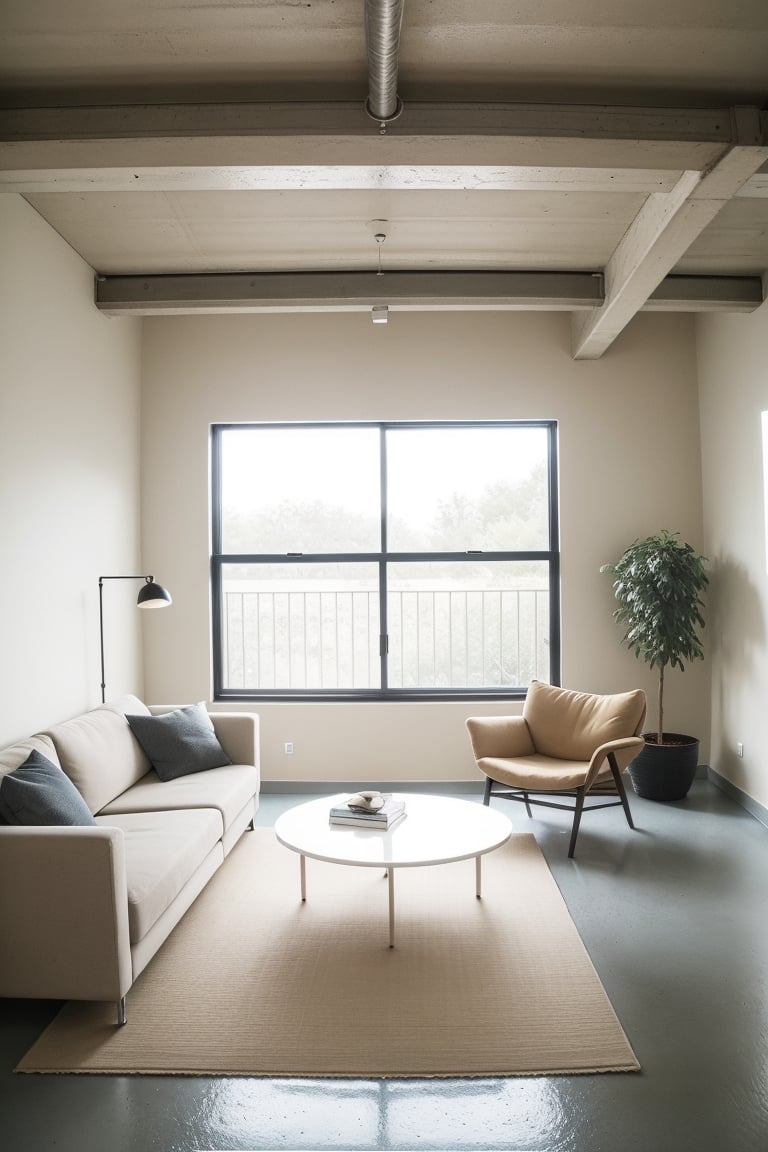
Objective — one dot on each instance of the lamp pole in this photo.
(152, 595)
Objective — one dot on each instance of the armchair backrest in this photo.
(571, 725)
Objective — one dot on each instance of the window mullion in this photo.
(383, 614)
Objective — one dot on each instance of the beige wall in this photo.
(733, 373)
(69, 419)
(630, 465)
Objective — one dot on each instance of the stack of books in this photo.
(386, 815)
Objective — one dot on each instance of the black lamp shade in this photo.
(153, 595)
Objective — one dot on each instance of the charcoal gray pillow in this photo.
(179, 743)
(38, 793)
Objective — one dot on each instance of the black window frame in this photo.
(218, 559)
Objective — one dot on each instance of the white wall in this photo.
(630, 465)
(733, 373)
(69, 420)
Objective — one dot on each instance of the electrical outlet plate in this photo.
(289, 747)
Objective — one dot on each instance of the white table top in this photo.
(436, 830)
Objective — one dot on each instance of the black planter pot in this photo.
(665, 771)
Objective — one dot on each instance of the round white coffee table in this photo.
(436, 830)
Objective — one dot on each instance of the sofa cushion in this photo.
(179, 743)
(99, 754)
(229, 789)
(38, 793)
(16, 754)
(163, 850)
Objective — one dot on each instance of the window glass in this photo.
(300, 490)
(300, 627)
(384, 560)
(475, 625)
(461, 489)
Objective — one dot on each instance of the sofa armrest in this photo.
(499, 736)
(64, 913)
(238, 734)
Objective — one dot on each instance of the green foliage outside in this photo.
(504, 517)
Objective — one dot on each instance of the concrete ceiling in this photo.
(181, 138)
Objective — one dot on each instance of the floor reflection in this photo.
(467, 1114)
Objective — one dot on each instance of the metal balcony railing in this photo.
(437, 639)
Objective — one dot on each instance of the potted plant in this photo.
(658, 583)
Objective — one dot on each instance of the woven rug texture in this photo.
(254, 983)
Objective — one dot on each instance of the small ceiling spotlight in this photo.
(380, 313)
(379, 230)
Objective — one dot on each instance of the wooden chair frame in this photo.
(580, 797)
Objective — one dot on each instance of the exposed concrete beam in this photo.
(434, 177)
(405, 291)
(328, 119)
(135, 142)
(661, 233)
(706, 294)
(756, 187)
(346, 291)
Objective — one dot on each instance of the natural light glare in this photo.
(278, 470)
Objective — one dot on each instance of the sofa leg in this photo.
(121, 1011)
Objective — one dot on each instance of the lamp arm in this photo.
(149, 580)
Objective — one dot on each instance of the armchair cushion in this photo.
(567, 725)
(540, 773)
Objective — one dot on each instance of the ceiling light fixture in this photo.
(380, 313)
(380, 237)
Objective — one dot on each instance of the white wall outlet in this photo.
(288, 747)
(739, 748)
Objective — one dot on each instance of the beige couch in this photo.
(84, 909)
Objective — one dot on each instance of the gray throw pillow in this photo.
(179, 743)
(39, 793)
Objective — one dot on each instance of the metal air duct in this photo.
(383, 19)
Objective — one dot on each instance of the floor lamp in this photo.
(152, 595)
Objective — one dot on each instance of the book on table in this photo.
(391, 812)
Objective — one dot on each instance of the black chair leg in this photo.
(488, 786)
(577, 811)
(527, 805)
(620, 789)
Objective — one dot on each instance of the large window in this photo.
(384, 561)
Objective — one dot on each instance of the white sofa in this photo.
(83, 909)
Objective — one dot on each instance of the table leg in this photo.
(303, 868)
(391, 878)
(478, 877)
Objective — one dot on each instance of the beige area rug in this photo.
(253, 983)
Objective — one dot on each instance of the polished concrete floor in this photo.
(675, 918)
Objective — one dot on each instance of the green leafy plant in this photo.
(658, 583)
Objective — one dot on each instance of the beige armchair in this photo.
(565, 744)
